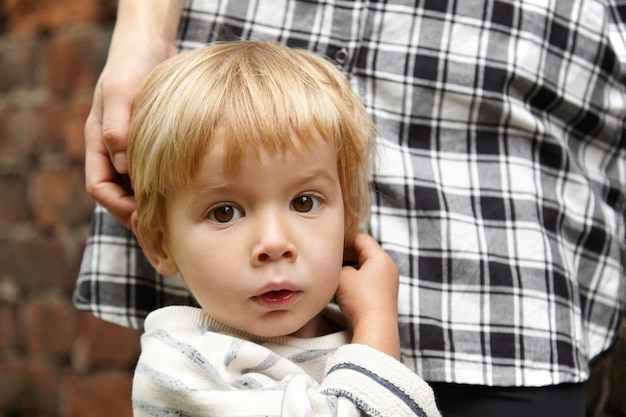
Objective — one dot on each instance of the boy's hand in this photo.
(368, 296)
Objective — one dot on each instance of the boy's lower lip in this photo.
(277, 300)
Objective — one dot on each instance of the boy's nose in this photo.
(273, 241)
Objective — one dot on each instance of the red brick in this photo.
(7, 328)
(14, 207)
(28, 389)
(48, 327)
(74, 248)
(19, 64)
(100, 343)
(103, 394)
(58, 196)
(69, 65)
(34, 262)
(32, 16)
(65, 123)
(20, 132)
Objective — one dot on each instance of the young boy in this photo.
(249, 162)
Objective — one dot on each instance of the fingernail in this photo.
(120, 163)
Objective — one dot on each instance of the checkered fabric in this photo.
(499, 186)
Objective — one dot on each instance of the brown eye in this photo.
(305, 204)
(225, 214)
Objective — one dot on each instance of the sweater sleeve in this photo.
(377, 383)
(188, 370)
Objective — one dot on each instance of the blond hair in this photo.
(259, 95)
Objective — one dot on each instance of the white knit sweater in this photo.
(191, 365)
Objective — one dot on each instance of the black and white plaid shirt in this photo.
(500, 181)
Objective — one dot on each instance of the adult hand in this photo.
(144, 36)
(368, 296)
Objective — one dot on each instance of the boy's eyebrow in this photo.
(322, 174)
(200, 189)
(298, 178)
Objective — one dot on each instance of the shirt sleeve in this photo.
(377, 383)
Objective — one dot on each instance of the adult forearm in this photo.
(148, 17)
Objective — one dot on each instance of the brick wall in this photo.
(54, 360)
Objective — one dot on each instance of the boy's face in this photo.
(260, 248)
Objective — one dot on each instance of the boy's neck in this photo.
(319, 326)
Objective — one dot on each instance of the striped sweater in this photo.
(192, 365)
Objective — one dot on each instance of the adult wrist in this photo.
(154, 18)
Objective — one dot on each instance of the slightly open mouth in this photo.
(278, 295)
(278, 299)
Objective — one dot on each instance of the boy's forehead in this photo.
(283, 172)
(229, 147)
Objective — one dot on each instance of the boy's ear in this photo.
(155, 249)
